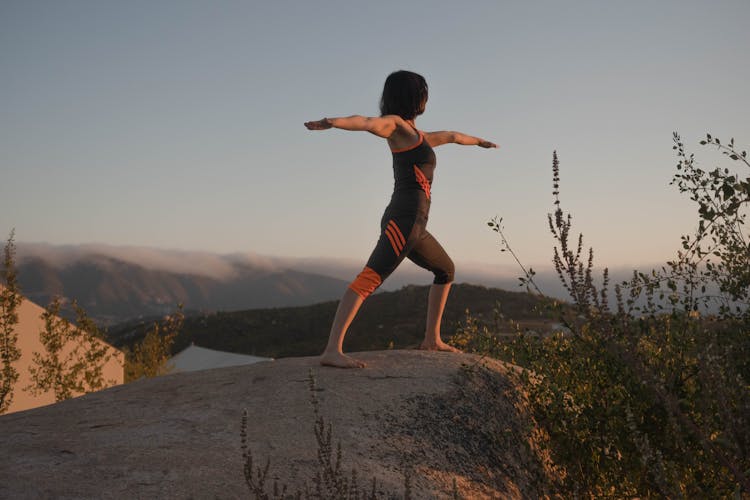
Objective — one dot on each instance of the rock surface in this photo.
(442, 416)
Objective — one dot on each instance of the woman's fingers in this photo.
(318, 124)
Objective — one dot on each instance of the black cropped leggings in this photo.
(403, 236)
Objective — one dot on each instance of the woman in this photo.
(403, 226)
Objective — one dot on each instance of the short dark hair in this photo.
(404, 94)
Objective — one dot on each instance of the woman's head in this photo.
(404, 94)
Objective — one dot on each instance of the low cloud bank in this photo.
(175, 261)
(228, 266)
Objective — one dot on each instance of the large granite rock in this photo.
(444, 417)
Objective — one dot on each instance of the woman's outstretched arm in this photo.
(446, 137)
(382, 126)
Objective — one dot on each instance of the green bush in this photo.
(74, 357)
(647, 393)
(150, 357)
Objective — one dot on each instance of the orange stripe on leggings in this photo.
(366, 282)
(396, 236)
(398, 232)
(392, 239)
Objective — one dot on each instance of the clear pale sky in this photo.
(178, 124)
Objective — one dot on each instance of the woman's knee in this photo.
(366, 282)
(445, 273)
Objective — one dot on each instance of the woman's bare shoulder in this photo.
(404, 136)
(399, 122)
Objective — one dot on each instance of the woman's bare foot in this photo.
(340, 360)
(437, 346)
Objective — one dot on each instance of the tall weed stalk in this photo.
(330, 479)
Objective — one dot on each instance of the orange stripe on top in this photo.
(366, 282)
(422, 180)
(421, 139)
(392, 239)
(393, 226)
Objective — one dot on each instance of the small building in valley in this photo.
(194, 358)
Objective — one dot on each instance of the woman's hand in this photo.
(323, 124)
(486, 144)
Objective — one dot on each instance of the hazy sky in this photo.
(178, 124)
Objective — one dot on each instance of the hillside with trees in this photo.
(387, 320)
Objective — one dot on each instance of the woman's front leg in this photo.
(345, 313)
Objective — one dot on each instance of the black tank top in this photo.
(413, 169)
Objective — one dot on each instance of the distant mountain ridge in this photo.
(112, 290)
(116, 284)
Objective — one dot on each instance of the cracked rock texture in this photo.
(445, 417)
